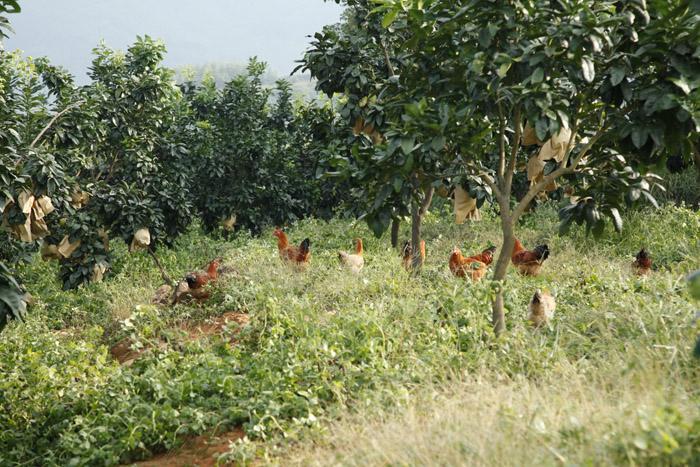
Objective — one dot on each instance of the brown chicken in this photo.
(529, 262)
(642, 263)
(296, 255)
(407, 254)
(474, 267)
(194, 284)
(355, 262)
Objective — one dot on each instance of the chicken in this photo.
(541, 308)
(407, 254)
(194, 283)
(297, 255)
(197, 280)
(355, 262)
(529, 262)
(642, 263)
(474, 267)
(485, 256)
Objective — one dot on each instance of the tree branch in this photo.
(427, 201)
(166, 277)
(501, 144)
(538, 187)
(514, 151)
(492, 184)
(53, 120)
(386, 56)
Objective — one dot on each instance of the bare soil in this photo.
(200, 451)
(126, 355)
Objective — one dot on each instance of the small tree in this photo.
(472, 75)
(82, 165)
(399, 152)
(133, 172)
(621, 78)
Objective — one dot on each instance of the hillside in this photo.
(323, 367)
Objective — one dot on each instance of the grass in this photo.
(381, 368)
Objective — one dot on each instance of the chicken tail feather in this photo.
(542, 252)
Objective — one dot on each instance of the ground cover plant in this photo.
(325, 344)
(152, 309)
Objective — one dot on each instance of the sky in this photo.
(195, 32)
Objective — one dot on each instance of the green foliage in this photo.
(681, 188)
(665, 437)
(12, 298)
(118, 142)
(467, 75)
(140, 162)
(7, 6)
(694, 280)
(127, 146)
(129, 152)
(391, 165)
(323, 342)
(258, 156)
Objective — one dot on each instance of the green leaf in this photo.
(407, 144)
(617, 219)
(503, 70)
(564, 118)
(398, 184)
(682, 83)
(617, 74)
(598, 229)
(541, 127)
(588, 69)
(379, 223)
(438, 143)
(694, 281)
(408, 165)
(485, 38)
(639, 136)
(651, 199)
(389, 18)
(383, 195)
(537, 76)
(478, 62)
(634, 194)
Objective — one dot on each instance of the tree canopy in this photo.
(615, 84)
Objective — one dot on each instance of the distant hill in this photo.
(302, 84)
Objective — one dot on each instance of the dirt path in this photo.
(200, 451)
(126, 355)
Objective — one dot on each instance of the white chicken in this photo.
(355, 262)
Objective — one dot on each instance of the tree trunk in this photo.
(395, 225)
(696, 156)
(499, 317)
(164, 274)
(416, 218)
